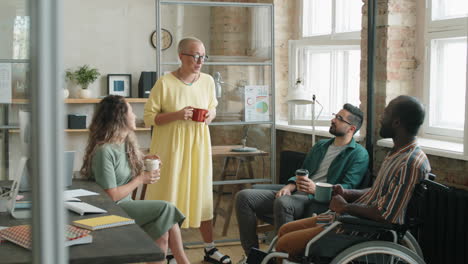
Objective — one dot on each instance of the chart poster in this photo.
(257, 103)
(5, 83)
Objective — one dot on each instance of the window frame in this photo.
(438, 30)
(328, 42)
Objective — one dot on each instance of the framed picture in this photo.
(119, 84)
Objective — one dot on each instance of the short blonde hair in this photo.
(183, 44)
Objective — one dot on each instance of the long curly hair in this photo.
(109, 125)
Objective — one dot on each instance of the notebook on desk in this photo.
(102, 222)
(21, 235)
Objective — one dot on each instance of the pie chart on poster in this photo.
(261, 107)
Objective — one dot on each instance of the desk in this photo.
(124, 244)
(242, 158)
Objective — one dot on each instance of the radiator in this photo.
(443, 235)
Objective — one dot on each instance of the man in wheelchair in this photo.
(386, 201)
(339, 160)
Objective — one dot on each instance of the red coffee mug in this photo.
(199, 114)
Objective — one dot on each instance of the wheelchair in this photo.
(365, 241)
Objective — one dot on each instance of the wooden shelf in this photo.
(19, 101)
(84, 130)
(97, 100)
(84, 101)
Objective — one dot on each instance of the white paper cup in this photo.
(151, 164)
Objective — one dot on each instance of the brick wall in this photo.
(230, 29)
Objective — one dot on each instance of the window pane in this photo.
(348, 15)
(333, 76)
(448, 83)
(316, 17)
(317, 77)
(443, 9)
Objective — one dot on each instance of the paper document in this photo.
(257, 103)
(77, 193)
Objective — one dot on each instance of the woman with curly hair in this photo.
(114, 161)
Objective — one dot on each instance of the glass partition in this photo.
(14, 79)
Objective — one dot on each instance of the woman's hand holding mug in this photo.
(152, 169)
(150, 177)
(186, 113)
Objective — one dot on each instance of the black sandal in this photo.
(169, 258)
(208, 257)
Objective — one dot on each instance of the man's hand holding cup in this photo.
(303, 183)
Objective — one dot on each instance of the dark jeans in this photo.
(253, 203)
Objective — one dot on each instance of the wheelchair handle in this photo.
(429, 182)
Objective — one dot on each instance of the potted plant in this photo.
(83, 76)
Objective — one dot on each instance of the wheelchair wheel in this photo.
(410, 242)
(377, 252)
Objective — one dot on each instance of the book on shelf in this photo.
(101, 222)
(23, 204)
(82, 208)
(21, 235)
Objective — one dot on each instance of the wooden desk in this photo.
(242, 158)
(124, 244)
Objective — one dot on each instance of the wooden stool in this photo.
(242, 159)
(235, 188)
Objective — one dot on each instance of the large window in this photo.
(445, 75)
(326, 59)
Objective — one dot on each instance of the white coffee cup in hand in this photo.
(151, 164)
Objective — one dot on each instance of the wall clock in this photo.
(166, 39)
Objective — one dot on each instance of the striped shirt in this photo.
(397, 177)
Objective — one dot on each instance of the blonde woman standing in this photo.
(183, 144)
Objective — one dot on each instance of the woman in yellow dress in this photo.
(183, 144)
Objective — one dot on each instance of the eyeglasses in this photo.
(337, 116)
(197, 58)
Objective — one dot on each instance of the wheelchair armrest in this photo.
(353, 220)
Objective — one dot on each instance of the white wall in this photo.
(7, 17)
(110, 35)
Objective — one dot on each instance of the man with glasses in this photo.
(339, 160)
(184, 144)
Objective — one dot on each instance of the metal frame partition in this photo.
(271, 63)
(46, 106)
(47, 110)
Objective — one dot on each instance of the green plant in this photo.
(84, 76)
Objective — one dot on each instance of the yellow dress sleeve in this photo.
(153, 105)
(213, 101)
